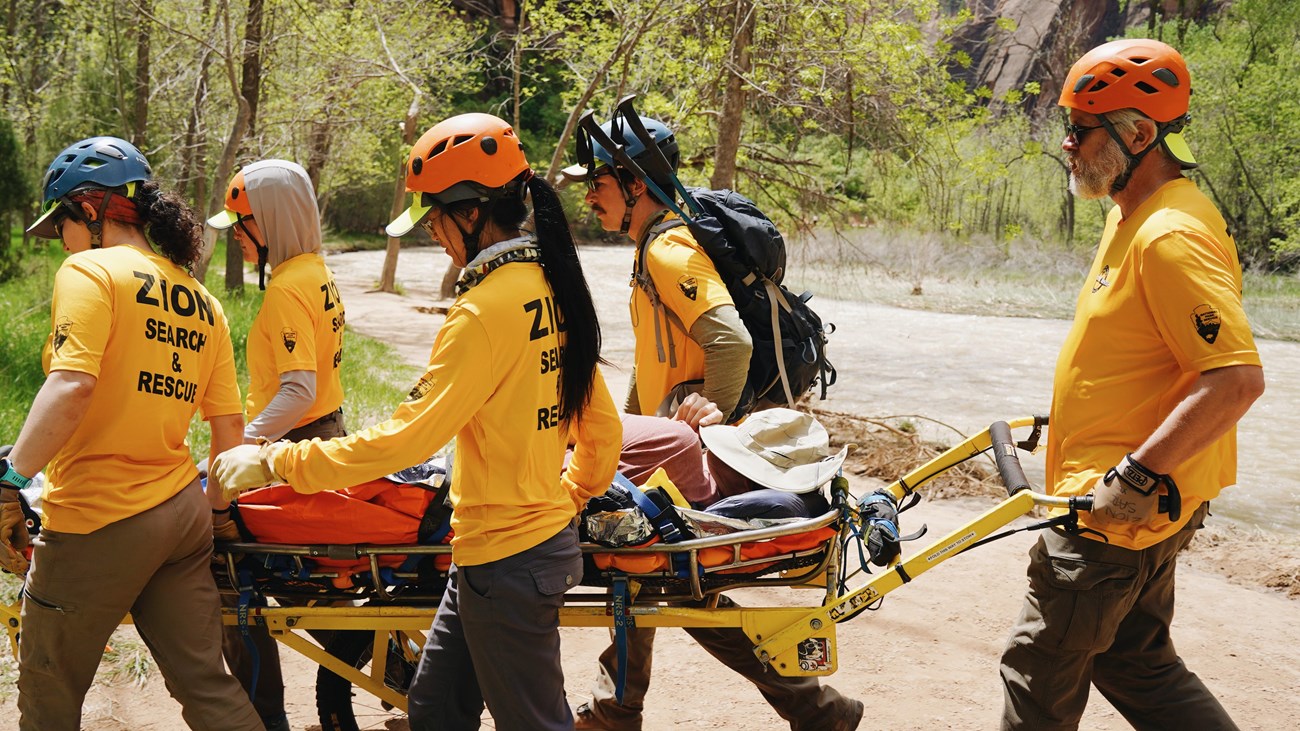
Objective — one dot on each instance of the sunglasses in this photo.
(427, 225)
(593, 180)
(1075, 131)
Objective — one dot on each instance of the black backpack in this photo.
(749, 254)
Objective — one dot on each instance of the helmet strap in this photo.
(629, 201)
(470, 238)
(97, 226)
(262, 253)
(1134, 159)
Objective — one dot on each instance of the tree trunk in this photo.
(388, 277)
(193, 177)
(733, 102)
(250, 88)
(322, 136)
(140, 116)
(238, 129)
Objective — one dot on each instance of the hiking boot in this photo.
(584, 719)
(850, 720)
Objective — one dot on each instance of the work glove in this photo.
(225, 529)
(13, 537)
(246, 467)
(1126, 495)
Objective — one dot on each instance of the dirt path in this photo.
(926, 660)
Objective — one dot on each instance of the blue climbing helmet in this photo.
(592, 155)
(108, 163)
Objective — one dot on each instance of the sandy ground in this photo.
(926, 660)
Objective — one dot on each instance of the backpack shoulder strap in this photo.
(641, 278)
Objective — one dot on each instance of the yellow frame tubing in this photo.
(845, 607)
(12, 614)
(284, 624)
(777, 632)
(972, 447)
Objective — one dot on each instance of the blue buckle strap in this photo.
(246, 597)
(623, 622)
(662, 518)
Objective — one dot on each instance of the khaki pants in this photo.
(1100, 613)
(268, 696)
(154, 565)
(804, 702)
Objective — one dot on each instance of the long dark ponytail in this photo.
(563, 271)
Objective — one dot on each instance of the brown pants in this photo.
(804, 702)
(268, 696)
(1100, 613)
(154, 565)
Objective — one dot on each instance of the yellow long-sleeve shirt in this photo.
(492, 382)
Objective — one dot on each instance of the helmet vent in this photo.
(1098, 86)
(1118, 72)
(437, 149)
(1139, 60)
(1146, 88)
(93, 163)
(461, 139)
(1165, 75)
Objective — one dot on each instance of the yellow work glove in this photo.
(246, 467)
(13, 537)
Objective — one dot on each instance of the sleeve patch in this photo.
(688, 286)
(61, 331)
(290, 339)
(1205, 318)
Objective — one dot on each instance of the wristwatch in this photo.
(9, 477)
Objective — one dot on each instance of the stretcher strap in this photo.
(246, 596)
(622, 623)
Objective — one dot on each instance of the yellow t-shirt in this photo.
(1161, 305)
(298, 328)
(159, 347)
(688, 285)
(493, 383)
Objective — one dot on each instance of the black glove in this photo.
(879, 513)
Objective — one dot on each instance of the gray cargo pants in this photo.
(496, 639)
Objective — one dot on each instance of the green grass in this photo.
(337, 241)
(374, 378)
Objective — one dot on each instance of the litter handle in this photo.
(1004, 455)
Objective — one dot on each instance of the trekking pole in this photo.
(658, 159)
(588, 124)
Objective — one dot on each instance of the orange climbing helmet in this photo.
(467, 157)
(1135, 73)
(237, 204)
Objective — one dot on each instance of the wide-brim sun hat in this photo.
(782, 449)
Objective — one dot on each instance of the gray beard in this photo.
(1094, 179)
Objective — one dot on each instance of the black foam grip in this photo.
(1004, 454)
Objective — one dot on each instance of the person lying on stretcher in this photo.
(771, 466)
